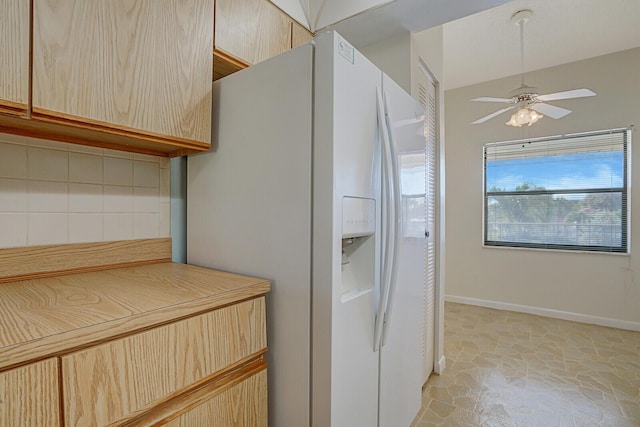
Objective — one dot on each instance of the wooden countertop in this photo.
(55, 315)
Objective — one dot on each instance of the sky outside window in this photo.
(560, 172)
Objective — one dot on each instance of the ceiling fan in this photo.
(530, 104)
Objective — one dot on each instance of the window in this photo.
(567, 192)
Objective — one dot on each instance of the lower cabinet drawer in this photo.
(105, 383)
(29, 395)
(243, 405)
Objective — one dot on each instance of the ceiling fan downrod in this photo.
(520, 18)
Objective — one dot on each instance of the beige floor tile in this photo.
(515, 369)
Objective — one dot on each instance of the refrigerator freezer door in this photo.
(401, 352)
(249, 210)
(346, 165)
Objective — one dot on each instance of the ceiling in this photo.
(486, 46)
(481, 43)
(394, 17)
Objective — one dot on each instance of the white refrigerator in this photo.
(316, 181)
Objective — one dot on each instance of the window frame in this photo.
(624, 191)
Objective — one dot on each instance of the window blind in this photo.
(564, 192)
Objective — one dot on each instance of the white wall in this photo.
(393, 56)
(588, 284)
(398, 56)
(428, 45)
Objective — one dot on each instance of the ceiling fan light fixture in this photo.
(524, 116)
(528, 96)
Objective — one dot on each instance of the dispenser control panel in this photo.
(358, 216)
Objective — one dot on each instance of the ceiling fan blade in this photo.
(568, 94)
(492, 115)
(549, 110)
(490, 99)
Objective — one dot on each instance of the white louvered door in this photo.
(427, 97)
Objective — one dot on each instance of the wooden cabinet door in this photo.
(251, 30)
(299, 35)
(244, 404)
(14, 56)
(108, 382)
(29, 395)
(138, 67)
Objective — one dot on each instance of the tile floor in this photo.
(515, 369)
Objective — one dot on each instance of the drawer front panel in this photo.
(242, 405)
(29, 395)
(104, 383)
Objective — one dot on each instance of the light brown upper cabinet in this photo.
(14, 57)
(132, 75)
(250, 31)
(299, 35)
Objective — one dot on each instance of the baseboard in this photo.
(557, 314)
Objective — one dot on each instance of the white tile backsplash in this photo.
(76, 148)
(47, 228)
(13, 160)
(118, 199)
(119, 154)
(85, 168)
(46, 196)
(146, 174)
(146, 157)
(47, 165)
(14, 230)
(118, 171)
(145, 200)
(165, 219)
(14, 139)
(118, 226)
(165, 183)
(13, 195)
(85, 198)
(146, 225)
(85, 227)
(165, 163)
(51, 145)
(54, 193)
